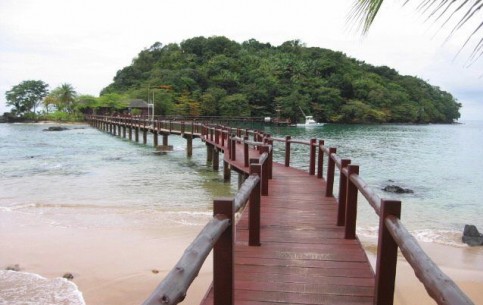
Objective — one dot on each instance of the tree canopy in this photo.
(26, 96)
(218, 76)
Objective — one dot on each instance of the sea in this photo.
(85, 178)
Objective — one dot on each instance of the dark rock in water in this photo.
(164, 148)
(397, 189)
(471, 236)
(56, 128)
(15, 267)
(68, 276)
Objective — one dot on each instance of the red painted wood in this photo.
(304, 257)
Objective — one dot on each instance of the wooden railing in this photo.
(392, 235)
(218, 234)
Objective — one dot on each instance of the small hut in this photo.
(141, 106)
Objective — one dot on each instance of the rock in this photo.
(15, 267)
(164, 148)
(471, 236)
(68, 276)
(397, 189)
(56, 128)
(155, 271)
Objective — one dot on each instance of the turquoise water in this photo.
(85, 178)
(442, 164)
(85, 168)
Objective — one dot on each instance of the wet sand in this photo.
(115, 266)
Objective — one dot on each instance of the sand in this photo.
(110, 266)
(122, 266)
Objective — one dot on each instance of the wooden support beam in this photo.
(223, 256)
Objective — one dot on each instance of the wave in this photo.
(23, 288)
(437, 236)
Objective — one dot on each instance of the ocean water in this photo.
(442, 164)
(84, 178)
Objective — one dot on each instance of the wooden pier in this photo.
(295, 242)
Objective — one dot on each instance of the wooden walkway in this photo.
(303, 257)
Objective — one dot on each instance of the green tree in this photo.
(114, 101)
(187, 106)
(64, 97)
(84, 102)
(234, 105)
(26, 95)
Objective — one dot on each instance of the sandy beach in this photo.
(109, 266)
(123, 266)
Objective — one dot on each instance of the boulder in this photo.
(68, 276)
(471, 236)
(397, 189)
(164, 148)
(56, 128)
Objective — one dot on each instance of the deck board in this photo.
(303, 257)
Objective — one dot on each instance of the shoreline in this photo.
(123, 266)
(109, 265)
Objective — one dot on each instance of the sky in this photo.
(85, 42)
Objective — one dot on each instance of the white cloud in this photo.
(84, 42)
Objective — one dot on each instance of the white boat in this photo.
(310, 122)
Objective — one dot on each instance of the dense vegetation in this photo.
(217, 76)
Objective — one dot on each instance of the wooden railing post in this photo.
(320, 160)
(223, 256)
(246, 153)
(313, 154)
(386, 256)
(342, 193)
(254, 216)
(229, 146)
(287, 151)
(223, 138)
(233, 148)
(209, 152)
(351, 206)
(329, 190)
(216, 159)
(264, 149)
(270, 159)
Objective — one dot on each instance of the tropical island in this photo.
(216, 76)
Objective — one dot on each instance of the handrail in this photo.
(368, 193)
(439, 286)
(174, 286)
(392, 236)
(245, 190)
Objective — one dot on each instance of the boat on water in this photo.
(310, 122)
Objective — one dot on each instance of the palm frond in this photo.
(365, 11)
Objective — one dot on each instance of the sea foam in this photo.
(28, 289)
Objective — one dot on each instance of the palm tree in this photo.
(66, 96)
(364, 12)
